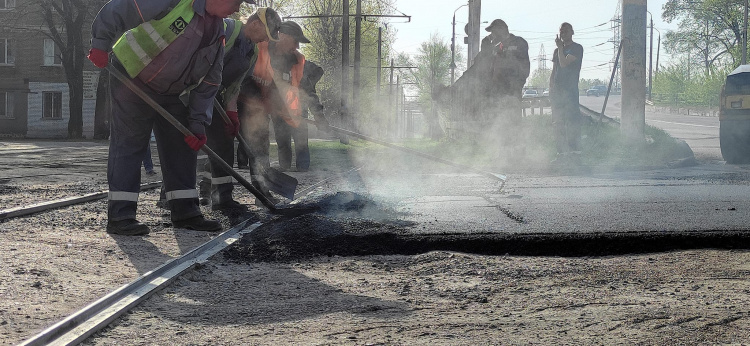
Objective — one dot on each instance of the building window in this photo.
(7, 4)
(6, 51)
(6, 105)
(51, 53)
(52, 107)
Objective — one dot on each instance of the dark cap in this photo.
(294, 30)
(271, 21)
(497, 23)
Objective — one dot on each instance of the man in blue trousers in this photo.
(166, 47)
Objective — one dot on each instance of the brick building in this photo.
(33, 89)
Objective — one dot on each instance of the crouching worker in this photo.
(239, 57)
(165, 47)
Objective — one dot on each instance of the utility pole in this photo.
(744, 37)
(453, 45)
(357, 56)
(475, 11)
(651, 59)
(391, 97)
(633, 122)
(380, 63)
(345, 55)
(658, 47)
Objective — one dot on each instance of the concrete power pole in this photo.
(357, 57)
(473, 32)
(744, 37)
(345, 55)
(633, 70)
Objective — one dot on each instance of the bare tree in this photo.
(63, 22)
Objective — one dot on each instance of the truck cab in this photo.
(734, 117)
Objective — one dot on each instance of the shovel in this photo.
(278, 182)
(494, 176)
(217, 159)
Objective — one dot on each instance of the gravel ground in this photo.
(56, 262)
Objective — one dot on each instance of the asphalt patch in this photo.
(349, 224)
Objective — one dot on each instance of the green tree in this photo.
(709, 30)
(539, 78)
(433, 66)
(675, 85)
(63, 22)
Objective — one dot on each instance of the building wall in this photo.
(39, 127)
(27, 78)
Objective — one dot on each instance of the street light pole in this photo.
(744, 38)
(453, 45)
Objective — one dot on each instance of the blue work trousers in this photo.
(222, 182)
(132, 122)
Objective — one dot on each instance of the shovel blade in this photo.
(281, 183)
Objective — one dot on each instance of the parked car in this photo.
(597, 90)
(545, 93)
(530, 93)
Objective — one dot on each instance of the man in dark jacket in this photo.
(166, 47)
(505, 58)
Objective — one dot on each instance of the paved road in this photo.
(700, 132)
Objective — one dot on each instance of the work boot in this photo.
(127, 227)
(228, 205)
(198, 223)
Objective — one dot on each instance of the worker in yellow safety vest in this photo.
(166, 47)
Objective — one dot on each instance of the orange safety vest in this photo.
(262, 72)
(294, 116)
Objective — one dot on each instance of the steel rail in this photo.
(63, 202)
(85, 322)
(97, 315)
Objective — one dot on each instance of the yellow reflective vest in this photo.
(137, 47)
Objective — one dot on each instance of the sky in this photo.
(537, 21)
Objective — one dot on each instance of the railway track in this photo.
(83, 323)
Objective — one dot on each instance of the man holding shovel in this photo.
(166, 47)
(240, 56)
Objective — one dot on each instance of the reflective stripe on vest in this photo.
(292, 94)
(123, 196)
(182, 194)
(138, 46)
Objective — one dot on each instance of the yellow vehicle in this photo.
(734, 117)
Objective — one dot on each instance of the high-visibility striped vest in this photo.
(292, 93)
(137, 47)
(233, 27)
